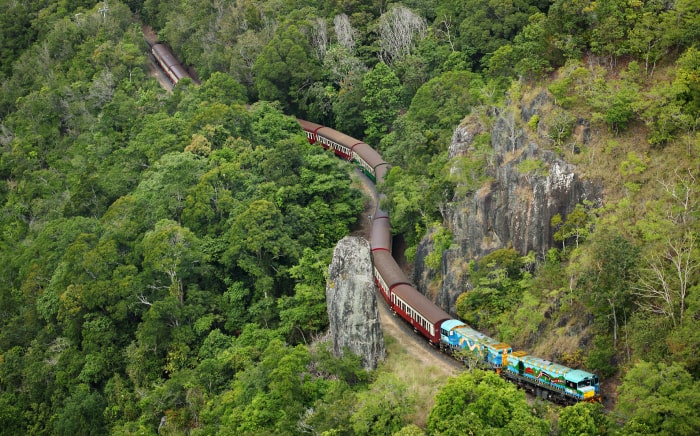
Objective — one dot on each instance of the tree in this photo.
(656, 398)
(259, 245)
(666, 280)
(486, 26)
(577, 225)
(499, 281)
(344, 32)
(384, 408)
(174, 251)
(305, 313)
(399, 28)
(584, 419)
(82, 413)
(482, 403)
(606, 286)
(381, 101)
(284, 68)
(532, 48)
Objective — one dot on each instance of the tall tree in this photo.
(381, 101)
(285, 68)
(482, 403)
(656, 398)
(399, 30)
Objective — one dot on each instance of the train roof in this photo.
(477, 336)
(579, 375)
(574, 375)
(421, 304)
(179, 71)
(391, 273)
(380, 234)
(369, 154)
(337, 137)
(308, 125)
(452, 324)
(380, 213)
(380, 171)
(167, 56)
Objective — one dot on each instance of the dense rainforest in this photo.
(163, 254)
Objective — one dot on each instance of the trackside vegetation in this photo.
(163, 252)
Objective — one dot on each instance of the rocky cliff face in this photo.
(516, 207)
(352, 305)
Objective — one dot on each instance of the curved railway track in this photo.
(546, 379)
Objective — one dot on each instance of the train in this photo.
(545, 379)
(169, 63)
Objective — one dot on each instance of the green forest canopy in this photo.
(163, 255)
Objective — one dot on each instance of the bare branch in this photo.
(399, 29)
(344, 32)
(682, 190)
(144, 300)
(319, 38)
(663, 287)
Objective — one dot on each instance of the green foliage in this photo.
(634, 164)
(442, 102)
(559, 124)
(615, 103)
(532, 166)
(283, 67)
(577, 226)
(442, 239)
(482, 403)
(534, 122)
(660, 399)
(602, 358)
(605, 286)
(381, 101)
(499, 282)
(382, 409)
(584, 419)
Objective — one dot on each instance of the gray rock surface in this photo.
(352, 303)
(514, 209)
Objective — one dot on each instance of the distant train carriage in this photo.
(380, 172)
(380, 234)
(340, 143)
(169, 63)
(310, 129)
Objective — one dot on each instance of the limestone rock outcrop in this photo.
(515, 208)
(352, 303)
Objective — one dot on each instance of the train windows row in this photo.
(412, 313)
(335, 146)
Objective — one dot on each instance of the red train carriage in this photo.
(340, 143)
(310, 129)
(380, 235)
(425, 317)
(387, 274)
(169, 63)
(368, 159)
